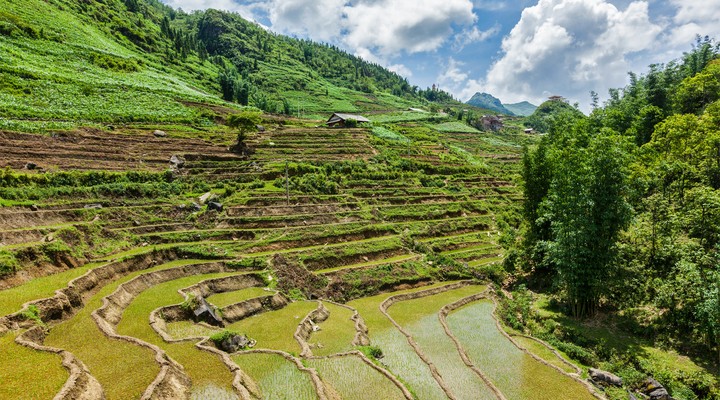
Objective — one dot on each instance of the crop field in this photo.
(320, 228)
(514, 372)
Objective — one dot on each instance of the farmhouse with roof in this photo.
(339, 120)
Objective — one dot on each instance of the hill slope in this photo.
(488, 101)
(522, 109)
(115, 62)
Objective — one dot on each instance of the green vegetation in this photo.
(26, 363)
(620, 224)
(514, 372)
(347, 374)
(202, 367)
(336, 333)
(119, 116)
(277, 377)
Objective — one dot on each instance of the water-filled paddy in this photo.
(516, 374)
(276, 377)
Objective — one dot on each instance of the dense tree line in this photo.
(622, 208)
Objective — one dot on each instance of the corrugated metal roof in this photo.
(344, 117)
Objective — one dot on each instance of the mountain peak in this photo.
(490, 102)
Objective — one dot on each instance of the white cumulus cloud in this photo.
(321, 20)
(569, 47)
(389, 27)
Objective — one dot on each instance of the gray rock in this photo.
(159, 133)
(655, 390)
(34, 207)
(604, 377)
(215, 206)
(236, 343)
(260, 128)
(207, 197)
(195, 207)
(205, 312)
(177, 161)
(93, 206)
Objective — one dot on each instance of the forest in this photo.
(621, 218)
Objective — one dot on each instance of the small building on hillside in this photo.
(491, 123)
(339, 120)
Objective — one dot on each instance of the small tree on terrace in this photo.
(245, 122)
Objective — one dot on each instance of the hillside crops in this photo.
(338, 215)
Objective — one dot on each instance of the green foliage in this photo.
(544, 117)
(244, 122)
(517, 311)
(114, 63)
(190, 304)
(296, 295)
(32, 313)
(223, 335)
(372, 352)
(8, 262)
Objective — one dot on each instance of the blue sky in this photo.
(515, 50)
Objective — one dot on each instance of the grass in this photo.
(19, 368)
(390, 260)
(336, 333)
(419, 318)
(455, 127)
(277, 377)
(348, 374)
(274, 330)
(124, 370)
(186, 329)
(203, 368)
(516, 374)
(225, 299)
(543, 352)
(11, 300)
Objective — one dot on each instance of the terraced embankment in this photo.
(109, 264)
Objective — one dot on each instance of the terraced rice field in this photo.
(116, 247)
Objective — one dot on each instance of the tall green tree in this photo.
(588, 209)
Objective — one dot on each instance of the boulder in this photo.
(207, 197)
(177, 161)
(205, 312)
(604, 377)
(235, 343)
(159, 133)
(31, 166)
(214, 206)
(655, 390)
(260, 128)
(34, 207)
(195, 207)
(93, 206)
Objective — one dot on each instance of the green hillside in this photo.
(488, 102)
(177, 222)
(115, 61)
(522, 109)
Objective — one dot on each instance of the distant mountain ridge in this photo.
(523, 109)
(490, 102)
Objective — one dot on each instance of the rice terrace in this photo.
(195, 207)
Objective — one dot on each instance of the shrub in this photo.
(219, 337)
(8, 263)
(32, 313)
(372, 351)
